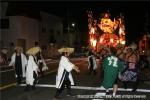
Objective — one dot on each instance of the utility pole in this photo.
(68, 28)
(146, 26)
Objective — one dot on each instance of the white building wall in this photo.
(21, 28)
(29, 30)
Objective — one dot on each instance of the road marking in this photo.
(90, 88)
(6, 71)
(52, 62)
(7, 86)
(49, 72)
(14, 84)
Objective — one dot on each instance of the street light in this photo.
(73, 24)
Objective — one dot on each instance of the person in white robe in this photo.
(19, 61)
(92, 66)
(31, 69)
(64, 76)
(41, 64)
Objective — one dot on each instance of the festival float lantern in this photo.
(108, 36)
(143, 45)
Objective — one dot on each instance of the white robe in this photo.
(23, 61)
(31, 66)
(94, 62)
(64, 64)
(44, 67)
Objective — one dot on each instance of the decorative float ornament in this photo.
(143, 44)
(108, 40)
(106, 32)
(106, 25)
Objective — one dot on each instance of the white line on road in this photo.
(57, 61)
(52, 62)
(6, 71)
(90, 88)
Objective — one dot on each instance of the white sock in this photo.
(102, 88)
(114, 94)
(107, 90)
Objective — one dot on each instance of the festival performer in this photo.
(105, 51)
(130, 73)
(112, 67)
(92, 63)
(32, 69)
(41, 63)
(64, 76)
(19, 61)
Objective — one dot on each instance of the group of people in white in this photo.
(116, 64)
(28, 67)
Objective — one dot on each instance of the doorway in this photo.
(22, 43)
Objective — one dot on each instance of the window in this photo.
(43, 30)
(52, 39)
(58, 31)
(4, 23)
(51, 31)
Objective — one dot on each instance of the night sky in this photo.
(133, 11)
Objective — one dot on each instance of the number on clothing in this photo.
(112, 61)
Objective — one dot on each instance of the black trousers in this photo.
(19, 78)
(67, 84)
(92, 70)
(134, 84)
(40, 67)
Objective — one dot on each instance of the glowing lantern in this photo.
(120, 31)
(123, 42)
(101, 40)
(92, 30)
(117, 41)
(94, 43)
(111, 40)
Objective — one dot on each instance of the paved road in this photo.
(87, 86)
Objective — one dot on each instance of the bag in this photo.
(44, 68)
(129, 75)
(130, 72)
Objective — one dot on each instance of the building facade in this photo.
(26, 31)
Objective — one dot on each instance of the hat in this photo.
(133, 46)
(33, 50)
(18, 48)
(66, 49)
(119, 45)
(4, 50)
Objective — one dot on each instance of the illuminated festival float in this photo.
(105, 32)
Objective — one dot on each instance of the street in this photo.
(86, 86)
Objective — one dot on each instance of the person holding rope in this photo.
(130, 73)
(92, 65)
